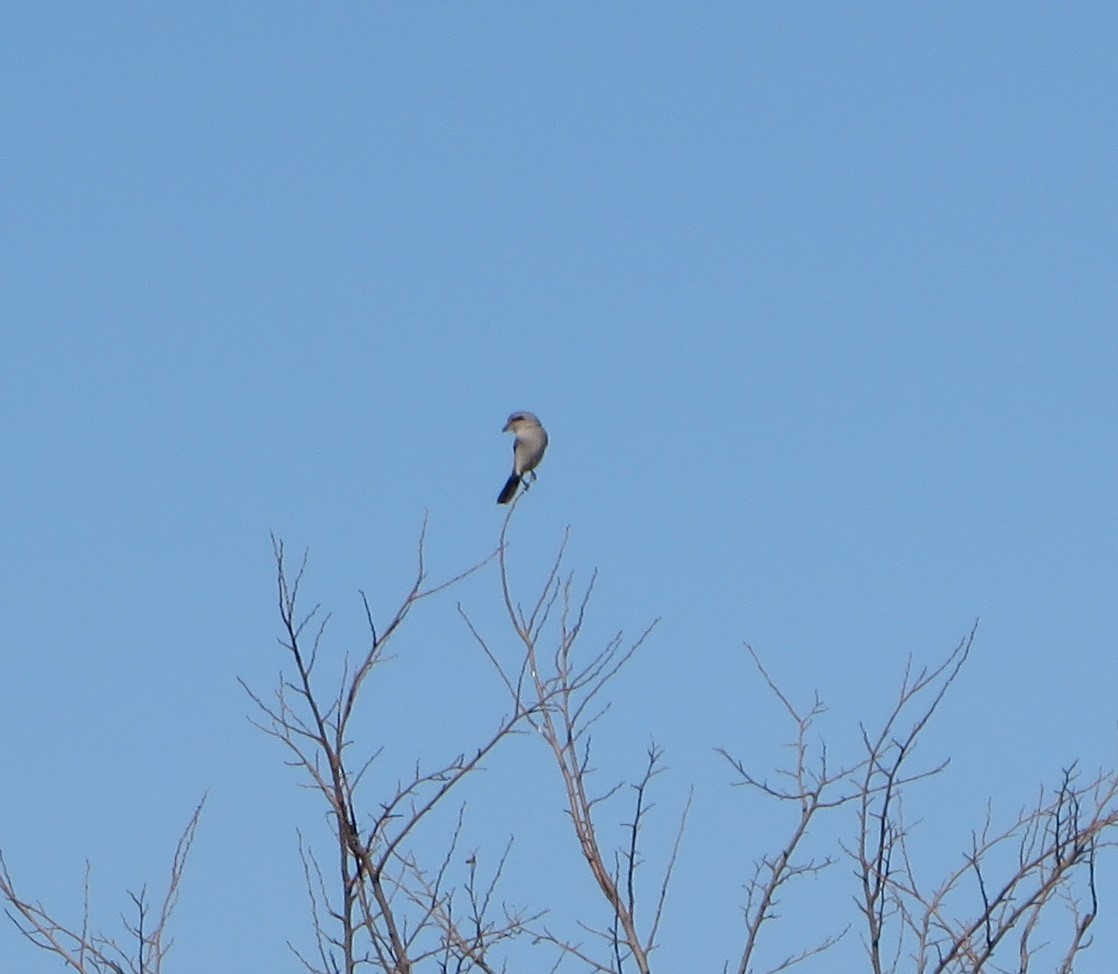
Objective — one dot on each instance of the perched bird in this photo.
(527, 452)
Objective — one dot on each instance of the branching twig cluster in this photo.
(383, 908)
(562, 692)
(381, 900)
(87, 951)
(988, 913)
(811, 787)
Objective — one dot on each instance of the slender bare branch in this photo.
(84, 950)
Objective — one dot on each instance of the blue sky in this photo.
(816, 301)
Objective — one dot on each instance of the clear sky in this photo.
(817, 302)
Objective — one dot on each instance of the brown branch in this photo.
(87, 952)
(564, 689)
(376, 907)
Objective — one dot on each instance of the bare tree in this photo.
(143, 948)
(387, 908)
(562, 693)
(987, 903)
(400, 888)
(384, 908)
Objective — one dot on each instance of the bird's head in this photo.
(520, 420)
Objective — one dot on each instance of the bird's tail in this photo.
(509, 490)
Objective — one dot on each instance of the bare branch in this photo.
(88, 952)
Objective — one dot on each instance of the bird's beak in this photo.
(506, 427)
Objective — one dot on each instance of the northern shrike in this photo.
(527, 452)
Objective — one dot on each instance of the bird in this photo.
(527, 451)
